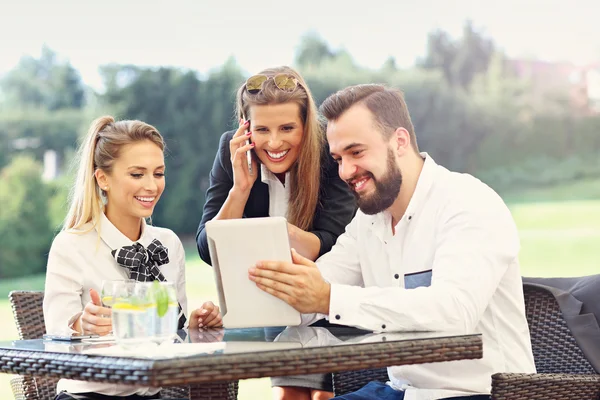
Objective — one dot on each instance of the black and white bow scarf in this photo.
(142, 264)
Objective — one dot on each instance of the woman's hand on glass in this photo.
(95, 319)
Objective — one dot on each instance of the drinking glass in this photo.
(133, 313)
(110, 292)
(167, 312)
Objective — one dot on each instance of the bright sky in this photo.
(201, 34)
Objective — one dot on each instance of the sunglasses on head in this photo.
(285, 82)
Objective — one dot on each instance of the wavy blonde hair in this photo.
(305, 174)
(99, 150)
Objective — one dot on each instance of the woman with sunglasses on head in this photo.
(105, 237)
(290, 174)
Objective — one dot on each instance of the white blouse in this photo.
(279, 194)
(80, 260)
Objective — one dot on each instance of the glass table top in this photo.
(224, 341)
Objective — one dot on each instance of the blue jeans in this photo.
(378, 390)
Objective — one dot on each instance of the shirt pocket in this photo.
(417, 279)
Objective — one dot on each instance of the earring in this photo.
(105, 188)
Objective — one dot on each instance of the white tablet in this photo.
(235, 245)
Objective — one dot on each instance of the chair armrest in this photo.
(16, 385)
(517, 386)
(350, 381)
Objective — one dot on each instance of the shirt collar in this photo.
(268, 177)
(115, 239)
(424, 184)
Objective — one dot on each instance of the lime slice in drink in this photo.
(161, 295)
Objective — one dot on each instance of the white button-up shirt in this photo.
(279, 194)
(451, 266)
(80, 261)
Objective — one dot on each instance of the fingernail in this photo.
(203, 312)
(251, 144)
(249, 133)
(247, 123)
(252, 270)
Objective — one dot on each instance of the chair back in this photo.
(563, 370)
(27, 307)
(555, 349)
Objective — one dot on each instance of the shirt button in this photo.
(410, 217)
(396, 276)
(338, 316)
(383, 326)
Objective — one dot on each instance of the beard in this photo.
(387, 188)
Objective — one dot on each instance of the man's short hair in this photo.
(386, 104)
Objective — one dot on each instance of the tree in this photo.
(460, 60)
(312, 51)
(24, 223)
(389, 66)
(472, 56)
(440, 54)
(44, 83)
(35, 131)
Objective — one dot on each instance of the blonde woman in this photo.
(121, 176)
(292, 175)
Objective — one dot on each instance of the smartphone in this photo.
(67, 338)
(248, 154)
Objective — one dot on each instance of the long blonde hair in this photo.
(99, 150)
(305, 174)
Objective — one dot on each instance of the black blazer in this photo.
(335, 209)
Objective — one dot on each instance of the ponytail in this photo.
(85, 202)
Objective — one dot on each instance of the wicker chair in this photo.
(351, 381)
(563, 370)
(29, 318)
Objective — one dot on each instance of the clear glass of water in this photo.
(145, 312)
(133, 313)
(110, 292)
(166, 318)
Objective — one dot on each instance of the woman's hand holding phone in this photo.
(239, 147)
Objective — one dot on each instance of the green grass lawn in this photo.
(558, 238)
